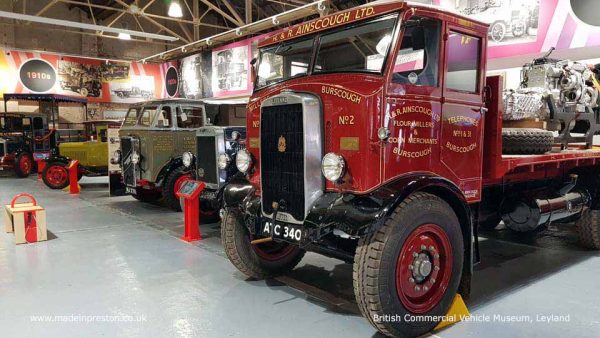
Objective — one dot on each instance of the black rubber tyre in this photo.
(526, 141)
(588, 228)
(171, 186)
(246, 258)
(56, 175)
(380, 253)
(23, 165)
(147, 196)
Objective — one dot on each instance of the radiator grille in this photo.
(207, 159)
(282, 159)
(127, 166)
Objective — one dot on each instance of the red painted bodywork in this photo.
(433, 129)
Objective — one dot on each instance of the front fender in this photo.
(358, 215)
(236, 192)
(167, 169)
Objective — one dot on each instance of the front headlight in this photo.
(243, 160)
(223, 161)
(333, 166)
(116, 158)
(187, 158)
(135, 157)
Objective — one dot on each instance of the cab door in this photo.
(189, 118)
(414, 99)
(462, 109)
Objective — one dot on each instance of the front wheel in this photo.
(257, 261)
(498, 31)
(407, 273)
(23, 165)
(172, 184)
(56, 175)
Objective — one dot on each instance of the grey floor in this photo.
(116, 267)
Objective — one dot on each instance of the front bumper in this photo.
(349, 214)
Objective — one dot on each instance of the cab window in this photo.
(164, 118)
(132, 116)
(103, 134)
(190, 117)
(147, 116)
(417, 62)
(463, 62)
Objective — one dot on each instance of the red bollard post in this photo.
(73, 179)
(190, 192)
(41, 164)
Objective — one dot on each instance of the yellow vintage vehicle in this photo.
(92, 155)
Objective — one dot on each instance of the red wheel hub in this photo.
(25, 164)
(424, 268)
(272, 251)
(57, 175)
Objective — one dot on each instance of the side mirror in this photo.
(418, 38)
(253, 70)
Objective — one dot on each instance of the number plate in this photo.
(286, 232)
(131, 190)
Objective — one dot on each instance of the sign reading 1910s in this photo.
(37, 75)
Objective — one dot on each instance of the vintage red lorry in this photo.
(374, 136)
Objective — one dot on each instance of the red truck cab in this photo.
(374, 137)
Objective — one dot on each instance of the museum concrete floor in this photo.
(122, 261)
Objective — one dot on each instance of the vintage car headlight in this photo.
(116, 158)
(333, 166)
(187, 158)
(223, 161)
(243, 160)
(135, 157)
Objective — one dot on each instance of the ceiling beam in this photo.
(248, 11)
(73, 24)
(220, 11)
(233, 11)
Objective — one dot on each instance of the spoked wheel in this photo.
(498, 31)
(410, 268)
(259, 261)
(55, 175)
(23, 165)
(172, 185)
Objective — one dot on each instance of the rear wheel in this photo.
(56, 175)
(410, 267)
(23, 165)
(257, 261)
(172, 184)
(588, 228)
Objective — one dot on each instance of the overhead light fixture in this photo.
(124, 35)
(175, 9)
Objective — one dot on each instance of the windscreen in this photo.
(357, 48)
(132, 116)
(362, 48)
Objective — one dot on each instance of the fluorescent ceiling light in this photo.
(175, 9)
(124, 36)
(73, 24)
